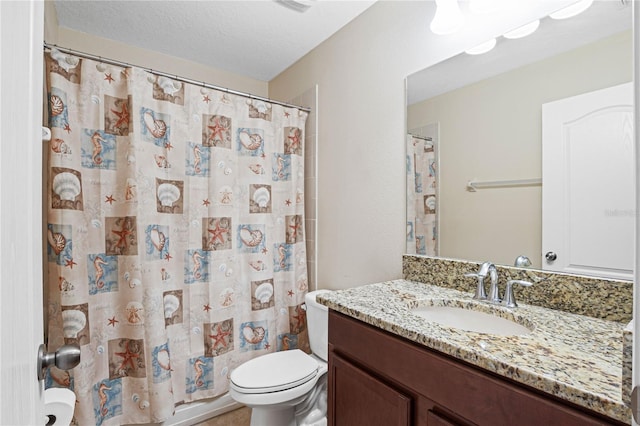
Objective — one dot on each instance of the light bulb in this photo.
(448, 18)
(523, 31)
(482, 48)
(572, 10)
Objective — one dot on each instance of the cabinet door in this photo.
(359, 399)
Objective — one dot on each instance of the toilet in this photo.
(288, 388)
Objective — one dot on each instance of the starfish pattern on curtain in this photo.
(175, 243)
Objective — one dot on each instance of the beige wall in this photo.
(149, 59)
(360, 72)
(491, 130)
(50, 22)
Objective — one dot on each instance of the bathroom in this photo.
(361, 228)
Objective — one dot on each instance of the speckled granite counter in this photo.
(560, 356)
(595, 297)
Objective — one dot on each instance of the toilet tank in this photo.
(318, 324)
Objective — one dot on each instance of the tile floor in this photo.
(239, 417)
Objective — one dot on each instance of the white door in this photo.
(588, 191)
(21, 329)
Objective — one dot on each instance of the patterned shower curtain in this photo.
(175, 236)
(421, 196)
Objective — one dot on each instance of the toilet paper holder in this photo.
(65, 358)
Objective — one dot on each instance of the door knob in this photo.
(550, 256)
(65, 358)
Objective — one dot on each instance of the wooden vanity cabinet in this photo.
(377, 378)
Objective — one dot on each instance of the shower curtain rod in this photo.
(172, 76)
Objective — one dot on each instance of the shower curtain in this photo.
(175, 244)
(421, 196)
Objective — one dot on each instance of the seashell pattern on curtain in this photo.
(175, 244)
(422, 220)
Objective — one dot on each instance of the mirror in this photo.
(481, 117)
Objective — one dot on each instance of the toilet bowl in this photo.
(288, 388)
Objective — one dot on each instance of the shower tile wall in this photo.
(310, 99)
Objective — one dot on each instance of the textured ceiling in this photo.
(257, 39)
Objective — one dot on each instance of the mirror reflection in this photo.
(480, 118)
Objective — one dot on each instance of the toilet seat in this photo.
(274, 372)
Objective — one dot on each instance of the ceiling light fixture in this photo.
(448, 18)
(572, 10)
(523, 31)
(482, 48)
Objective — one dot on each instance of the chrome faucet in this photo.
(486, 268)
(494, 293)
(522, 262)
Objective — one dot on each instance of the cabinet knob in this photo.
(550, 256)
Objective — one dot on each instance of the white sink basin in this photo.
(470, 320)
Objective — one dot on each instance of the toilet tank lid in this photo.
(278, 370)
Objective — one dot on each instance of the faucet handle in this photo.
(509, 299)
(481, 293)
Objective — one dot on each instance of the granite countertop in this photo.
(560, 356)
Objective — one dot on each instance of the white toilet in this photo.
(288, 388)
